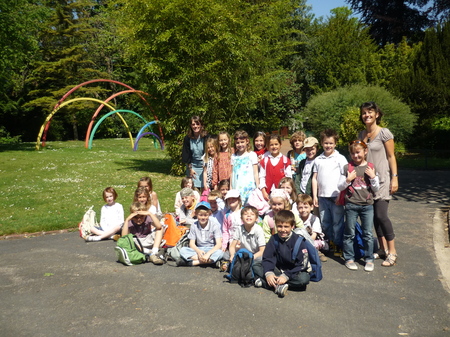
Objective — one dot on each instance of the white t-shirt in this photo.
(252, 240)
(111, 216)
(329, 170)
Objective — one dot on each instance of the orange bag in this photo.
(173, 232)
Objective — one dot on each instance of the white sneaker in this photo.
(369, 266)
(258, 283)
(351, 265)
(281, 290)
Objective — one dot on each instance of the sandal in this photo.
(391, 260)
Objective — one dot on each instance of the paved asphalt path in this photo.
(58, 285)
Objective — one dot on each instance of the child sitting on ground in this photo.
(147, 228)
(217, 205)
(249, 236)
(111, 218)
(147, 183)
(305, 207)
(278, 269)
(232, 219)
(279, 200)
(187, 214)
(205, 239)
(185, 182)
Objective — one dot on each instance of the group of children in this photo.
(262, 201)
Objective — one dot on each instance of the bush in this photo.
(339, 110)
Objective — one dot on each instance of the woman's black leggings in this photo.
(382, 223)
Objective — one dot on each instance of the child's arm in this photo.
(315, 190)
(227, 223)
(288, 168)
(260, 252)
(154, 199)
(125, 230)
(256, 174)
(205, 175)
(218, 245)
(374, 180)
(152, 216)
(232, 249)
(232, 176)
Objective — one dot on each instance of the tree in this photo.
(340, 52)
(425, 86)
(19, 24)
(65, 62)
(391, 20)
(220, 60)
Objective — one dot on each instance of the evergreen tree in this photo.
(65, 62)
(340, 52)
(391, 20)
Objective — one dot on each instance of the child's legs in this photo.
(188, 254)
(351, 214)
(326, 217)
(338, 223)
(258, 270)
(299, 281)
(105, 234)
(217, 255)
(366, 216)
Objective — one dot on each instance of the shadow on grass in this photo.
(160, 165)
(424, 186)
(18, 147)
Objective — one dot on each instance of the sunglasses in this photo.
(360, 142)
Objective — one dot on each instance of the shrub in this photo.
(339, 110)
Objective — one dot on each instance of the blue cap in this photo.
(204, 205)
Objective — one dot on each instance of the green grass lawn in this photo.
(52, 188)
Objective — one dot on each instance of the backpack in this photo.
(87, 223)
(127, 252)
(314, 267)
(358, 242)
(174, 252)
(241, 270)
(349, 190)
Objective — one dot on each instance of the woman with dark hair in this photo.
(380, 142)
(193, 150)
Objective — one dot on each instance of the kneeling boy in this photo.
(280, 269)
(205, 239)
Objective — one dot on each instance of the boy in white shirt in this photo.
(327, 171)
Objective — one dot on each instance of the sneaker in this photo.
(224, 265)
(155, 259)
(258, 283)
(322, 257)
(281, 290)
(122, 256)
(181, 262)
(92, 238)
(369, 266)
(338, 252)
(351, 265)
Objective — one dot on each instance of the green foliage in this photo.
(336, 110)
(220, 60)
(340, 52)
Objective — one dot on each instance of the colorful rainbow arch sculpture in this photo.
(145, 134)
(91, 136)
(43, 131)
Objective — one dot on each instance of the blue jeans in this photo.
(187, 252)
(332, 219)
(365, 213)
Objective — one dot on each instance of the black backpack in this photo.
(241, 270)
